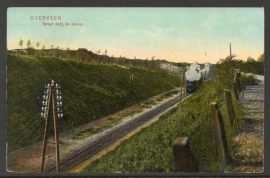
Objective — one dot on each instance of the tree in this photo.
(250, 59)
(52, 50)
(82, 54)
(21, 43)
(98, 52)
(68, 52)
(58, 52)
(105, 56)
(37, 44)
(43, 48)
(28, 44)
(261, 58)
(153, 63)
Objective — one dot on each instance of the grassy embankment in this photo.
(89, 91)
(151, 149)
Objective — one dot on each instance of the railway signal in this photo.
(52, 101)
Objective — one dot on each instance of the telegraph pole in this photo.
(231, 56)
(55, 128)
(230, 59)
(174, 76)
(131, 83)
(51, 98)
(183, 83)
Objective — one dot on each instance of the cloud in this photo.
(153, 32)
(150, 33)
(206, 25)
(209, 21)
(158, 31)
(239, 19)
(130, 31)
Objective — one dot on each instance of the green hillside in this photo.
(89, 91)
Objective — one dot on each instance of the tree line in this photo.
(250, 65)
(82, 54)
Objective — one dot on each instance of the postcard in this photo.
(135, 90)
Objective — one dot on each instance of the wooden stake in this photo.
(238, 81)
(217, 133)
(184, 161)
(234, 86)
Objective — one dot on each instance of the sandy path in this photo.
(248, 144)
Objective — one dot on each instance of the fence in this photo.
(184, 160)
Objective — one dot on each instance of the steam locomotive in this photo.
(192, 86)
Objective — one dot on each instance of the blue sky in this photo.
(174, 34)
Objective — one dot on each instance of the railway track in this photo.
(97, 146)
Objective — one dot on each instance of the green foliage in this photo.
(261, 58)
(151, 149)
(21, 43)
(90, 91)
(247, 80)
(251, 65)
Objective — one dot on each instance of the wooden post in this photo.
(183, 83)
(234, 87)
(45, 136)
(55, 130)
(217, 133)
(223, 137)
(230, 60)
(44, 145)
(230, 107)
(238, 81)
(184, 160)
